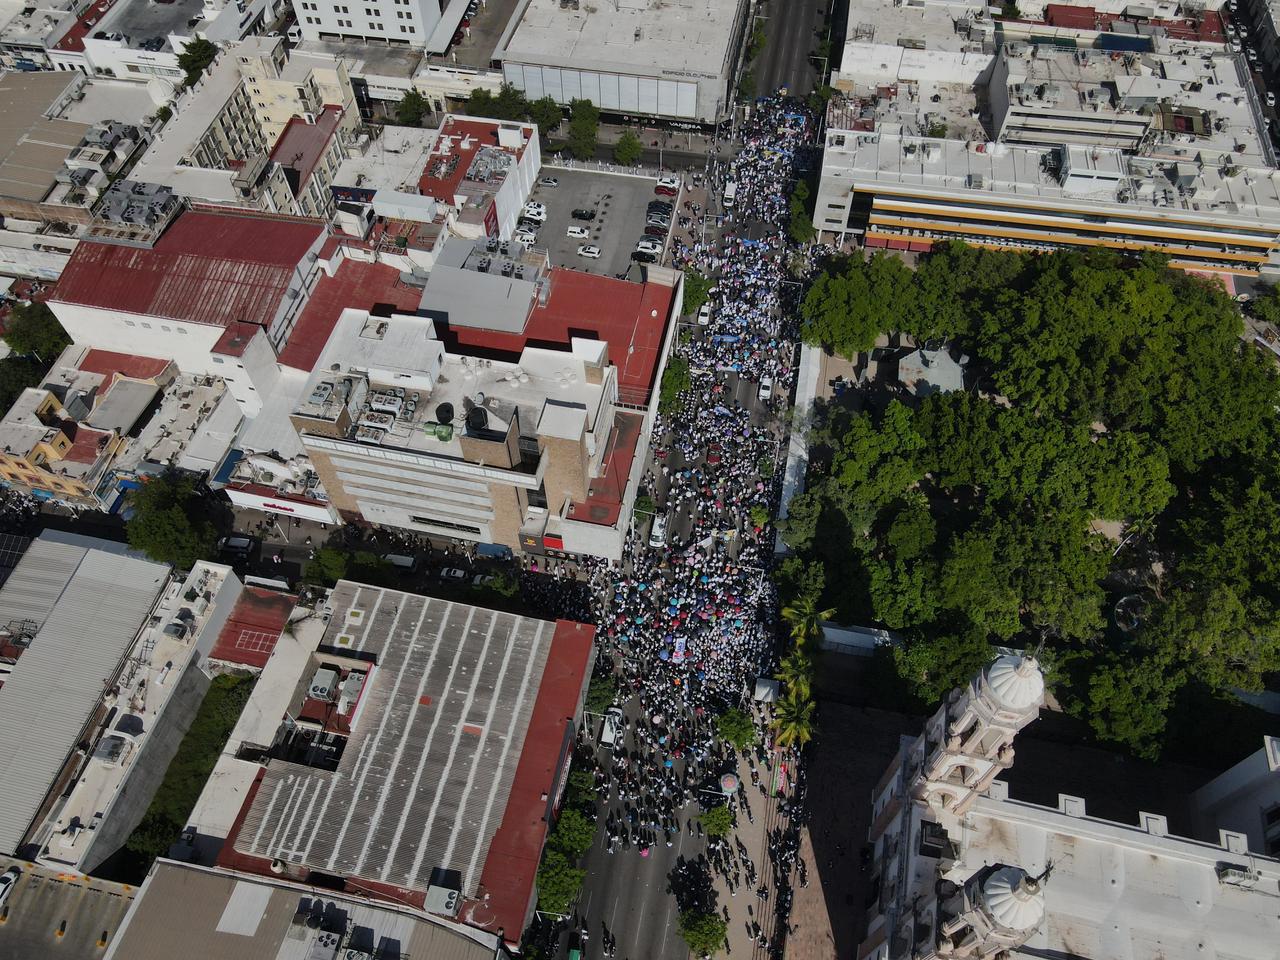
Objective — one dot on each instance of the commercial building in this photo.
(233, 916)
(426, 24)
(445, 807)
(669, 59)
(102, 422)
(100, 653)
(961, 869)
(498, 414)
(218, 292)
(52, 169)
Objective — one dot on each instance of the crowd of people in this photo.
(688, 618)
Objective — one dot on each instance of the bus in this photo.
(730, 191)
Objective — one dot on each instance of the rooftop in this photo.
(458, 781)
(691, 36)
(142, 20)
(33, 148)
(143, 689)
(228, 916)
(302, 144)
(470, 158)
(34, 24)
(83, 608)
(393, 160)
(73, 40)
(211, 267)
(249, 636)
(368, 59)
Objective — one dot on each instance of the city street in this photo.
(792, 32)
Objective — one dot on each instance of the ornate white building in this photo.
(961, 870)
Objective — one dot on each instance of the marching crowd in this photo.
(689, 616)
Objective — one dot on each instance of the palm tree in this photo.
(793, 720)
(796, 671)
(805, 618)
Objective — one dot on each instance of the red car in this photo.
(665, 191)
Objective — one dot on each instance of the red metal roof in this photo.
(445, 171)
(356, 284)
(301, 144)
(111, 365)
(1065, 15)
(512, 861)
(250, 633)
(73, 39)
(631, 317)
(209, 267)
(605, 503)
(87, 445)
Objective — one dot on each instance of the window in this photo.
(445, 524)
(130, 323)
(166, 329)
(146, 326)
(217, 359)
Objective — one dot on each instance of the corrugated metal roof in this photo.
(427, 771)
(90, 605)
(209, 267)
(176, 914)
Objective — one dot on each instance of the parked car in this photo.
(583, 213)
(239, 545)
(766, 388)
(657, 220)
(655, 230)
(535, 211)
(662, 206)
(405, 563)
(483, 579)
(1271, 99)
(549, 182)
(670, 182)
(612, 728)
(589, 251)
(577, 232)
(453, 573)
(649, 245)
(527, 237)
(7, 882)
(704, 314)
(666, 191)
(640, 256)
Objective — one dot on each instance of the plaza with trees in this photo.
(1117, 440)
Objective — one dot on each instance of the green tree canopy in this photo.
(584, 129)
(628, 149)
(793, 720)
(546, 113)
(573, 834)
(735, 727)
(676, 379)
(704, 932)
(558, 882)
(33, 331)
(195, 58)
(411, 109)
(697, 288)
(718, 821)
(170, 521)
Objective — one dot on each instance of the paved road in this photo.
(792, 30)
(44, 900)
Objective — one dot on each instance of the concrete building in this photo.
(1246, 799)
(218, 292)
(232, 916)
(960, 869)
(102, 422)
(53, 168)
(469, 777)
(100, 653)
(668, 59)
(223, 143)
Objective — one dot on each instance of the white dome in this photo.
(1013, 899)
(1016, 683)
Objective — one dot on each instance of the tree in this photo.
(546, 113)
(793, 720)
(558, 882)
(510, 103)
(847, 309)
(170, 521)
(1129, 700)
(328, 566)
(584, 129)
(796, 671)
(164, 113)
(805, 617)
(935, 664)
(718, 821)
(34, 331)
(676, 379)
(735, 728)
(480, 103)
(628, 149)
(195, 58)
(1266, 305)
(704, 932)
(412, 108)
(573, 834)
(16, 375)
(759, 515)
(644, 504)
(697, 289)
(601, 692)
(747, 85)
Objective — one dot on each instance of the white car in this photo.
(527, 238)
(649, 246)
(535, 211)
(671, 183)
(589, 251)
(7, 882)
(704, 314)
(453, 573)
(578, 233)
(766, 388)
(549, 182)
(658, 532)
(1271, 99)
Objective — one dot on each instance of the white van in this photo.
(730, 193)
(611, 729)
(294, 33)
(658, 533)
(402, 562)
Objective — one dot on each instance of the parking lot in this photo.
(87, 912)
(619, 203)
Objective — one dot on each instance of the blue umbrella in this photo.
(664, 654)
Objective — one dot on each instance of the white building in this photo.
(962, 870)
(671, 59)
(415, 23)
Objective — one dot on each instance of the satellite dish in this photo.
(444, 413)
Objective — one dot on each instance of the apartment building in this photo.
(398, 22)
(283, 84)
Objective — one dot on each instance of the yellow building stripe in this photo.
(1079, 222)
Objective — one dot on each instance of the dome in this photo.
(1014, 901)
(1016, 683)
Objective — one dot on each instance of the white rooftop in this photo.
(393, 160)
(671, 35)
